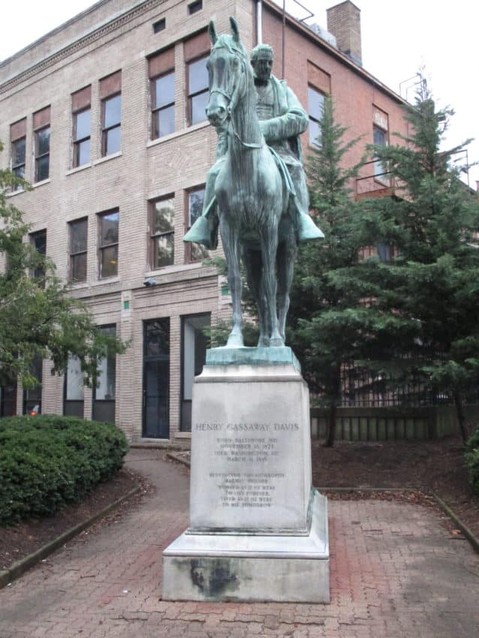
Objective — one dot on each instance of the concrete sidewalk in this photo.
(395, 571)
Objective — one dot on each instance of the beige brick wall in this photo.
(144, 170)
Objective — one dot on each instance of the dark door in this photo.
(8, 400)
(156, 379)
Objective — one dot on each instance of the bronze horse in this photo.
(253, 201)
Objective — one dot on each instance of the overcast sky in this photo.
(398, 38)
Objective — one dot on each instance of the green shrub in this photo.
(472, 460)
(47, 462)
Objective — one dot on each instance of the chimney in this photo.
(344, 22)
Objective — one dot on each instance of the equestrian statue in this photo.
(256, 191)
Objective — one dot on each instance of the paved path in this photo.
(395, 572)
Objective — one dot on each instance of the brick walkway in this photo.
(395, 571)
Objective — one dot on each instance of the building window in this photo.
(195, 252)
(162, 86)
(32, 399)
(163, 105)
(162, 229)
(111, 126)
(194, 343)
(73, 396)
(380, 138)
(193, 7)
(78, 234)
(18, 157)
(39, 242)
(81, 110)
(42, 154)
(108, 244)
(104, 393)
(110, 95)
(159, 25)
(81, 137)
(18, 144)
(315, 111)
(197, 91)
(41, 129)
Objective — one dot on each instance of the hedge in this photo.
(47, 462)
(472, 460)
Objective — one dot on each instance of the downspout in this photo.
(259, 21)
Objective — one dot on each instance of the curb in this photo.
(174, 456)
(21, 566)
(467, 533)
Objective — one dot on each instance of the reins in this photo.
(231, 102)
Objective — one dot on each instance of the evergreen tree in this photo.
(432, 281)
(331, 326)
(38, 318)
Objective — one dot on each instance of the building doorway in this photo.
(156, 379)
(8, 399)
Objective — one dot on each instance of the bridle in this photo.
(231, 101)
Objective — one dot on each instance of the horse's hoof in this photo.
(277, 342)
(235, 341)
(263, 342)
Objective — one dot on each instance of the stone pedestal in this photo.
(258, 531)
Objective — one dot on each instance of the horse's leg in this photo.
(269, 246)
(286, 257)
(231, 248)
(252, 261)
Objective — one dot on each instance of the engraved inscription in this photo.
(246, 490)
(245, 452)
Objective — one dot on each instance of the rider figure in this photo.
(282, 120)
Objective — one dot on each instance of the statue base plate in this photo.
(247, 567)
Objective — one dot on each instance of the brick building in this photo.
(104, 116)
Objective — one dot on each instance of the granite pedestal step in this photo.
(246, 567)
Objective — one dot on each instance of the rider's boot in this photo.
(307, 229)
(201, 232)
(205, 229)
(305, 226)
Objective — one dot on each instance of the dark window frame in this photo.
(155, 351)
(156, 235)
(105, 409)
(75, 255)
(191, 96)
(79, 142)
(195, 6)
(38, 240)
(104, 246)
(314, 121)
(72, 407)
(159, 25)
(18, 167)
(157, 110)
(106, 130)
(40, 156)
(380, 171)
(32, 398)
